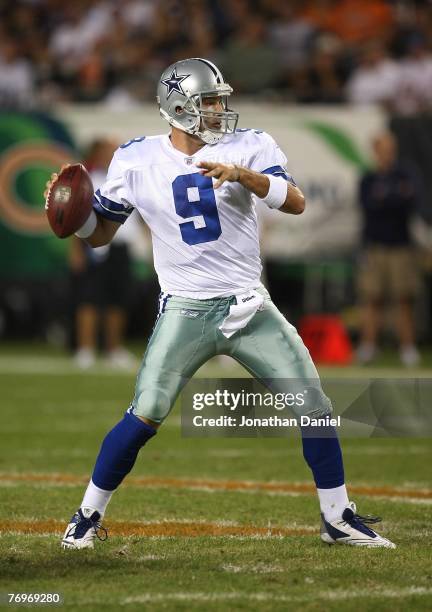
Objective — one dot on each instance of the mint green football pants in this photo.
(186, 335)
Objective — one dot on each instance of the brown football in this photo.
(69, 201)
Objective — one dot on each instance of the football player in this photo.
(196, 188)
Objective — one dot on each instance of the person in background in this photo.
(354, 22)
(101, 281)
(414, 95)
(248, 47)
(16, 77)
(388, 196)
(375, 80)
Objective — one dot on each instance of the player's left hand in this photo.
(52, 180)
(222, 172)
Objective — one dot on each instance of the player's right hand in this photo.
(221, 172)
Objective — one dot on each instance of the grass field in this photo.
(200, 524)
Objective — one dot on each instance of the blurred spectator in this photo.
(320, 14)
(249, 63)
(101, 280)
(228, 17)
(290, 35)
(91, 78)
(139, 15)
(389, 196)
(353, 21)
(16, 77)
(82, 27)
(201, 36)
(322, 82)
(376, 79)
(102, 50)
(414, 87)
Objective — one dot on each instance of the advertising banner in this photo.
(31, 147)
(326, 150)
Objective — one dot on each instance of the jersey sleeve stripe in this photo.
(279, 171)
(100, 210)
(114, 211)
(111, 205)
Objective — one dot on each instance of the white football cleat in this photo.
(409, 356)
(83, 528)
(85, 358)
(352, 529)
(122, 358)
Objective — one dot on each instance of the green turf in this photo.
(53, 421)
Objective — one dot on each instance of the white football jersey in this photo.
(205, 240)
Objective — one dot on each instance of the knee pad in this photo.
(318, 405)
(310, 399)
(153, 403)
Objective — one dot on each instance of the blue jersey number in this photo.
(194, 197)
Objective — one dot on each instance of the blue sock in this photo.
(119, 451)
(323, 455)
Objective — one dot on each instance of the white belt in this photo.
(241, 312)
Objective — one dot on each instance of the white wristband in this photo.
(277, 192)
(89, 226)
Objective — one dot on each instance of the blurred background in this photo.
(344, 86)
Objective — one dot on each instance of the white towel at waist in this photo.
(241, 312)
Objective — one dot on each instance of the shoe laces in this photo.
(368, 519)
(100, 528)
(100, 531)
(350, 515)
(358, 521)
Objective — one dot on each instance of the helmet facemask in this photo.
(211, 125)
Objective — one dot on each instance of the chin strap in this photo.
(209, 137)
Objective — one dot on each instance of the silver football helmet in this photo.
(182, 88)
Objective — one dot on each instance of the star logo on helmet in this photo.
(173, 83)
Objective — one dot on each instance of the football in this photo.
(69, 201)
